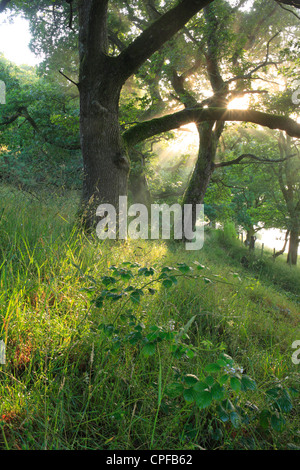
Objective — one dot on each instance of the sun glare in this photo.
(11, 46)
(239, 103)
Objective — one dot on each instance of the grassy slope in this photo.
(63, 387)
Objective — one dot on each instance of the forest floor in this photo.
(140, 344)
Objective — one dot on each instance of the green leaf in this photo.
(189, 395)
(210, 380)
(107, 280)
(146, 272)
(199, 266)
(227, 359)
(200, 386)
(227, 405)
(126, 275)
(167, 283)
(203, 399)
(183, 268)
(223, 414)
(174, 280)
(285, 402)
(135, 296)
(273, 392)
(223, 379)
(190, 353)
(186, 327)
(277, 422)
(247, 383)
(167, 269)
(235, 419)
(217, 392)
(235, 384)
(149, 349)
(222, 362)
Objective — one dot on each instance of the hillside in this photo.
(140, 344)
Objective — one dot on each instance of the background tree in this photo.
(103, 71)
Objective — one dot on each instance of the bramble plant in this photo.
(222, 384)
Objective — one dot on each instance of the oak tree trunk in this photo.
(105, 162)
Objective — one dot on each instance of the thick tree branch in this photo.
(254, 158)
(292, 3)
(23, 112)
(290, 11)
(147, 129)
(278, 253)
(156, 35)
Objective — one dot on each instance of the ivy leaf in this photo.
(217, 392)
(167, 283)
(183, 268)
(189, 395)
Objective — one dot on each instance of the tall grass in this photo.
(66, 386)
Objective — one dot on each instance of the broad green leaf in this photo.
(235, 384)
(200, 386)
(264, 418)
(203, 399)
(235, 419)
(247, 383)
(209, 380)
(149, 349)
(190, 379)
(223, 379)
(189, 395)
(184, 268)
(277, 422)
(217, 391)
(223, 414)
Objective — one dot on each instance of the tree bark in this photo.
(137, 183)
(105, 162)
(106, 165)
(203, 170)
(147, 129)
(293, 247)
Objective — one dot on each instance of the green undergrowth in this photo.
(138, 344)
